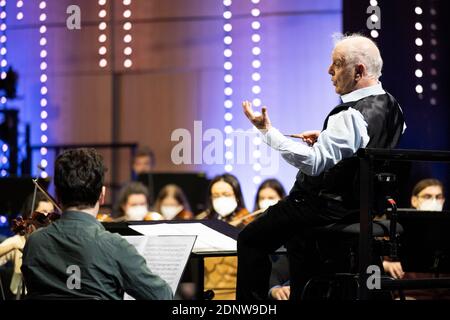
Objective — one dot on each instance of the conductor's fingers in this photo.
(265, 114)
(248, 109)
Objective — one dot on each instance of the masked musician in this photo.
(172, 203)
(427, 195)
(225, 202)
(133, 204)
(269, 192)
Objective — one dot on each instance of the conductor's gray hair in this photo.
(362, 51)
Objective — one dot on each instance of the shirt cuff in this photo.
(273, 137)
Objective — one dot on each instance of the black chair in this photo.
(337, 247)
(337, 252)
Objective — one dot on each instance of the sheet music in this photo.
(137, 241)
(208, 240)
(166, 255)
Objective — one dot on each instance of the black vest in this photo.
(338, 187)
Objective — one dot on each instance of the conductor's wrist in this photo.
(265, 129)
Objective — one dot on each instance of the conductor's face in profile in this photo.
(343, 74)
(355, 64)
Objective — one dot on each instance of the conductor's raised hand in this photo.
(260, 121)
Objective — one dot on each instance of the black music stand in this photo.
(193, 184)
(197, 258)
(367, 158)
(425, 241)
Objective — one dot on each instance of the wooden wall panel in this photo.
(153, 105)
(81, 114)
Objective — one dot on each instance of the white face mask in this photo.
(431, 205)
(170, 212)
(136, 213)
(266, 203)
(224, 206)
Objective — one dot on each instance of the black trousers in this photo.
(287, 223)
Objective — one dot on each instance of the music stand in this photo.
(425, 241)
(193, 184)
(197, 258)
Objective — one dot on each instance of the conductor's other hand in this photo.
(310, 137)
(260, 121)
(394, 269)
(281, 293)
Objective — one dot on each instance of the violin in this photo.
(104, 217)
(153, 216)
(37, 219)
(245, 218)
(242, 217)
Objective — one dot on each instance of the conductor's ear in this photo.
(359, 71)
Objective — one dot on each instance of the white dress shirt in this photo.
(346, 132)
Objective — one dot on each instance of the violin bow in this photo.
(47, 195)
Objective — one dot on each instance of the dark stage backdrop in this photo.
(428, 113)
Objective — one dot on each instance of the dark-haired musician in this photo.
(75, 257)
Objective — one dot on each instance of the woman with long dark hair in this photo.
(225, 201)
(172, 204)
(269, 193)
